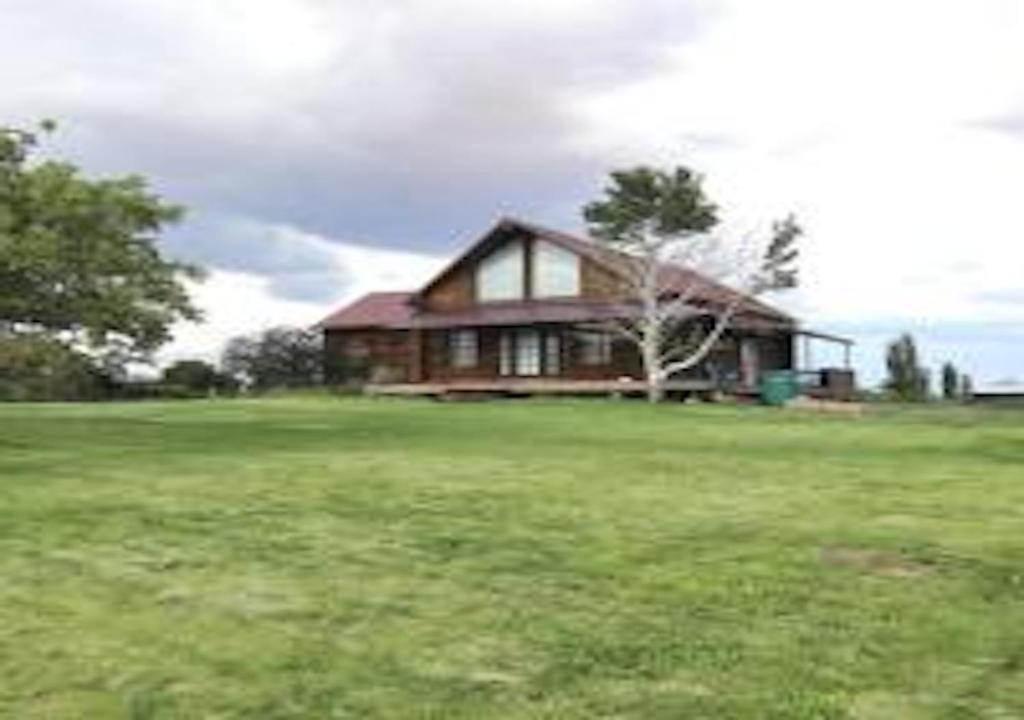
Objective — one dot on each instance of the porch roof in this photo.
(525, 313)
(828, 337)
(560, 311)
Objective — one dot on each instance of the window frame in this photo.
(529, 356)
(513, 252)
(541, 268)
(463, 348)
(595, 348)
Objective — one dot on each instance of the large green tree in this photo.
(278, 357)
(661, 219)
(198, 377)
(79, 260)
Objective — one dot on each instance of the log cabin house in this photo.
(526, 310)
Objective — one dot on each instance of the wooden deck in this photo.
(520, 386)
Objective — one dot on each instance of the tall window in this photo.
(556, 271)
(552, 353)
(505, 359)
(595, 347)
(500, 275)
(527, 352)
(463, 348)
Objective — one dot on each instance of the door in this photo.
(750, 362)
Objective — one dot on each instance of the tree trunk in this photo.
(655, 378)
(655, 391)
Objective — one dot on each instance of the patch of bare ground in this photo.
(878, 562)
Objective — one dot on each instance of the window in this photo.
(500, 275)
(505, 354)
(595, 348)
(556, 271)
(527, 352)
(552, 354)
(463, 349)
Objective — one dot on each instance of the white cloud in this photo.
(863, 118)
(237, 303)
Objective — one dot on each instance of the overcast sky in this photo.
(327, 148)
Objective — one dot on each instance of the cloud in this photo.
(1010, 123)
(397, 123)
(240, 302)
(297, 265)
(1013, 296)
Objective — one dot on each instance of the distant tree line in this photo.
(907, 380)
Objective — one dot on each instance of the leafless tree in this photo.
(684, 291)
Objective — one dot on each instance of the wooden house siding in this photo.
(456, 291)
(378, 354)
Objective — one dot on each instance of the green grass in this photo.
(345, 558)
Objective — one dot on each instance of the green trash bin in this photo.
(778, 387)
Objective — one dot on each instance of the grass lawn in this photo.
(330, 558)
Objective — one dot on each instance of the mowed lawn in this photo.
(349, 558)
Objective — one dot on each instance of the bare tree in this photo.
(683, 285)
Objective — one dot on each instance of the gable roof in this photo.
(377, 309)
(676, 277)
(399, 309)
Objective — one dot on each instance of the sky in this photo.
(325, 149)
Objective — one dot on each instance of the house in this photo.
(526, 309)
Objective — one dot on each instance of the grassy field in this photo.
(326, 558)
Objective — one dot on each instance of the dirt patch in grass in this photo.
(878, 562)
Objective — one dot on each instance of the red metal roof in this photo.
(378, 309)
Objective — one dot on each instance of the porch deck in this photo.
(520, 386)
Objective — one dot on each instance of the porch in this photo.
(515, 387)
(551, 361)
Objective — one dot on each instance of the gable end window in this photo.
(556, 271)
(463, 348)
(500, 275)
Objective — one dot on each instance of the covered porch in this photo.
(573, 360)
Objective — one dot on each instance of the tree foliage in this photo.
(658, 219)
(645, 201)
(907, 379)
(37, 367)
(79, 259)
(198, 377)
(276, 358)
